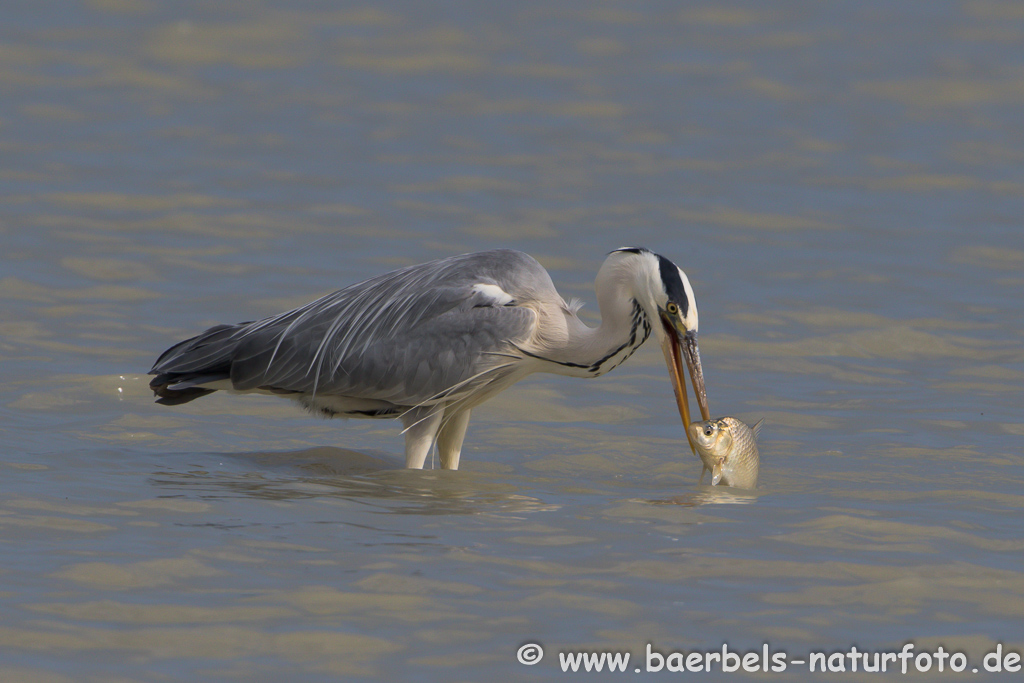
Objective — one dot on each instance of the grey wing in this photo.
(405, 337)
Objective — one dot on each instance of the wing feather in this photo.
(405, 337)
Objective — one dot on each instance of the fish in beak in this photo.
(728, 449)
(680, 345)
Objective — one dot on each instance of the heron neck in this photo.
(593, 351)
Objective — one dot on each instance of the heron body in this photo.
(428, 343)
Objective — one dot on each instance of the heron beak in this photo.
(675, 350)
(692, 354)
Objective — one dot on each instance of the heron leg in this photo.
(421, 425)
(449, 439)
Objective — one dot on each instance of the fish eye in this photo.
(709, 430)
(672, 308)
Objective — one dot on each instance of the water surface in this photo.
(842, 182)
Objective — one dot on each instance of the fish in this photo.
(728, 449)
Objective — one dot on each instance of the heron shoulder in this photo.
(515, 272)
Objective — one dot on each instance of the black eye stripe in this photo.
(670, 279)
(673, 284)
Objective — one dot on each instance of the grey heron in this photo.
(428, 343)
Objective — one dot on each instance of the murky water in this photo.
(841, 181)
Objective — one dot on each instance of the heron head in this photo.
(664, 292)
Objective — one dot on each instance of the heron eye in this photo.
(672, 308)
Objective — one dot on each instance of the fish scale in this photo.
(728, 449)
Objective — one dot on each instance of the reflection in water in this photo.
(712, 495)
(373, 480)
